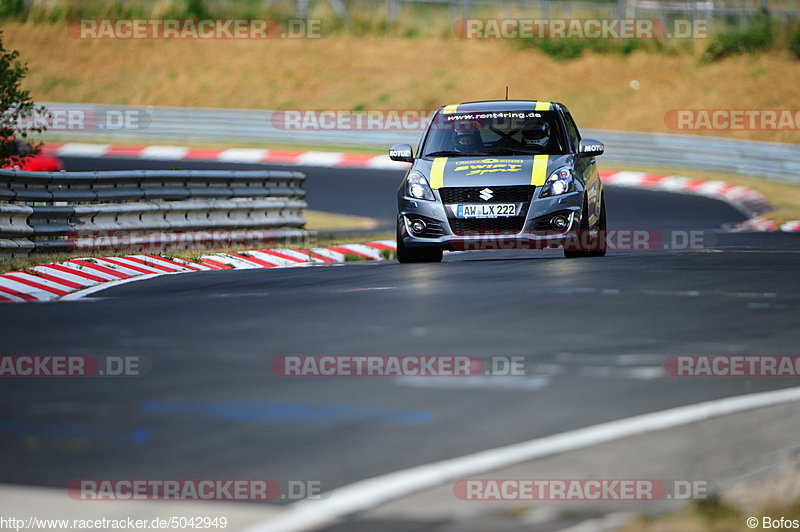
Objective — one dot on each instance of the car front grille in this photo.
(484, 226)
(504, 194)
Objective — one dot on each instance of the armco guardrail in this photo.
(148, 209)
(771, 160)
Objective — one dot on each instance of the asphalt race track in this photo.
(594, 334)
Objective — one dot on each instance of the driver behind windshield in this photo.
(501, 135)
(536, 132)
(467, 142)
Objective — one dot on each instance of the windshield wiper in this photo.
(452, 154)
(516, 151)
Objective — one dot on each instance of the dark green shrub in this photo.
(793, 41)
(566, 49)
(562, 49)
(12, 9)
(758, 36)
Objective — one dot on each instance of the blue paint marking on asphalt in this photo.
(138, 436)
(284, 412)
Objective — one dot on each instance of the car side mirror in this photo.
(590, 148)
(402, 152)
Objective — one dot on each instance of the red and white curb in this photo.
(74, 277)
(231, 155)
(745, 199)
(762, 224)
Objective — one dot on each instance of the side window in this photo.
(572, 131)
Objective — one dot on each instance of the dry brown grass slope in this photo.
(370, 72)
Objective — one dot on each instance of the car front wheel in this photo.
(585, 243)
(406, 255)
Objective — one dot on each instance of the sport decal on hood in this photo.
(477, 171)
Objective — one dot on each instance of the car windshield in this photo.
(494, 133)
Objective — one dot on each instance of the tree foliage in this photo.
(19, 117)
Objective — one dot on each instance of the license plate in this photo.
(486, 210)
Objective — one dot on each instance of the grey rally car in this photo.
(500, 175)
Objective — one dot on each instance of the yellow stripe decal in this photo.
(450, 109)
(539, 172)
(542, 106)
(437, 172)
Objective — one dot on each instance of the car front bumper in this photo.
(536, 230)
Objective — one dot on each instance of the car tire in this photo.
(596, 247)
(602, 232)
(407, 255)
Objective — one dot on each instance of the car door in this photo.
(586, 168)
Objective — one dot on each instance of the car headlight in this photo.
(417, 186)
(559, 182)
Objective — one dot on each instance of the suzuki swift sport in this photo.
(500, 175)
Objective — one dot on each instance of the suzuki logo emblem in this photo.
(486, 194)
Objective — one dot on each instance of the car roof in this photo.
(502, 105)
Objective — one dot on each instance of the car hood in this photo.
(486, 170)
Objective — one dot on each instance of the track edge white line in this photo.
(85, 292)
(369, 493)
